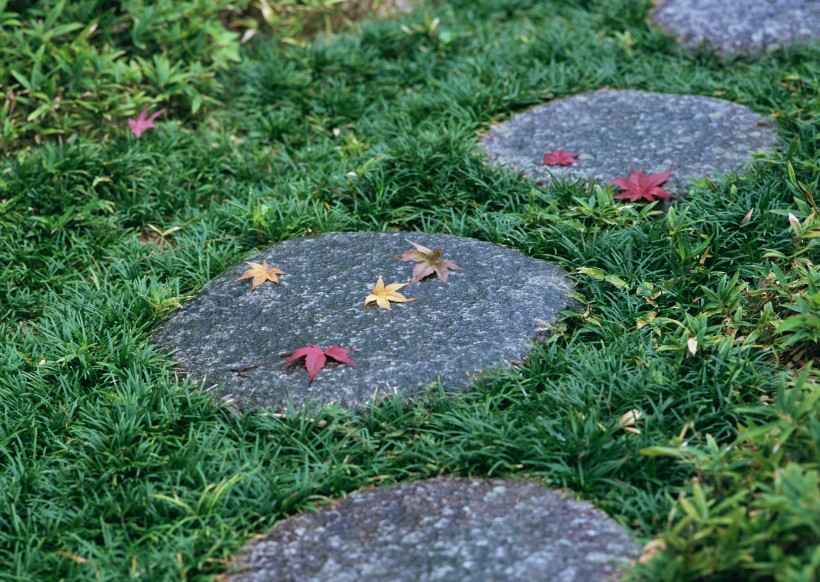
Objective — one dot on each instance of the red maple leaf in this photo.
(143, 122)
(560, 158)
(640, 185)
(316, 358)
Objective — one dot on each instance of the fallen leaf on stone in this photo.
(143, 123)
(643, 186)
(260, 274)
(560, 158)
(316, 358)
(384, 295)
(428, 262)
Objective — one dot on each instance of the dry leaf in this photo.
(692, 344)
(428, 262)
(629, 420)
(260, 274)
(384, 295)
(748, 217)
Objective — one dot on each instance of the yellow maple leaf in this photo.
(384, 295)
(260, 274)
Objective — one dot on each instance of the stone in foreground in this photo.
(232, 337)
(740, 26)
(441, 530)
(615, 130)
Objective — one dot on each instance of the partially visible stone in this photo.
(233, 337)
(442, 529)
(615, 130)
(740, 26)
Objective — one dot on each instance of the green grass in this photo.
(114, 467)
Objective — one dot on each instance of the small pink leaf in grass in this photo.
(315, 358)
(560, 158)
(143, 123)
(640, 185)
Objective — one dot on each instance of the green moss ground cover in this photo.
(113, 467)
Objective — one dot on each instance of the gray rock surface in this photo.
(484, 317)
(740, 26)
(442, 529)
(615, 130)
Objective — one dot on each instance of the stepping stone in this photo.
(740, 26)
(615, 130)
(442, 530)
(232, 337)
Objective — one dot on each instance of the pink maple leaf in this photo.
(316, 358)
(143, 122)
(560, 158)
(640, 185)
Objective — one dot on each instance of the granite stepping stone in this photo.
(740, 26)
(232, 337)
(442, 529)
(615, 130)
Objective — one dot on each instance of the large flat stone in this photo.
(740, 26)
(442, 529)
(615, 130)
(483, 318)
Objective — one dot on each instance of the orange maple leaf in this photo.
(260, 274)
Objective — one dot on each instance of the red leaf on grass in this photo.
(316, 358)
(640, 185)
(143, 123)
(560, 158)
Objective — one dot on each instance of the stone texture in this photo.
(615, 130)
(442, 529)
(740, 26)
(484, 317)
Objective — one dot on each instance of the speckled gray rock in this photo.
(740, 26)
(615, 130)
(484, 317)
(442, 529)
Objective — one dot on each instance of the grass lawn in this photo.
(112, 467)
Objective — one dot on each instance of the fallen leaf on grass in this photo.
(692, 345)
(384, 295)
(260, 274)
(143, 123)
(316, 358)
(643, 186)
(428, 262)
(629, 420)
(560, 158)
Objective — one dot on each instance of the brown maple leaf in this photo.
(260, 274)
(316, 358)
(640, 185)
(428, 262)
(382, 295)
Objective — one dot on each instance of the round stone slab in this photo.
(615, 130)
(442, 530)
(233, 337)
(740, 26)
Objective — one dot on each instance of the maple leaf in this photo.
(260, 274)
(316, 358)
(384, 295)
(143, 123)
(640, 185)
(560, 158)
(427, 263)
